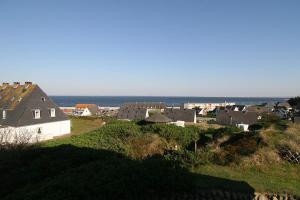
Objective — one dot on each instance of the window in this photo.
(36, 114)
(52, 112)
(43, 99)
(4, 114)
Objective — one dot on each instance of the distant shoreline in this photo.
(116, 101)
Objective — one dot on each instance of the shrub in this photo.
(183, 136)
(255, 127)
(190, 159)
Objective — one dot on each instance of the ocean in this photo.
(116, 101)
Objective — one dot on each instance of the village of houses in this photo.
(26, 111)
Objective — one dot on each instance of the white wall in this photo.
(244, 127)
(86, 112)
(48, 131)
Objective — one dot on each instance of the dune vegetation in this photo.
(130, 160)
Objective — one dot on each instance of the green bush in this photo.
(191, 159)
(268, 120)
(183, 136)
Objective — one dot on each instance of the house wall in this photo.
(48, 131)
(86, 112)
(206, 106)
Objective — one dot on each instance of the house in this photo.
(68, 110)
(260, 109)
(284, 105)
(237, 118)
(238, 108)
(27, 112)
(281, 112)
(85, 109)
(186, 115)
(132, 113)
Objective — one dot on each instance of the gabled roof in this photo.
(259, 109)
(10, 96)
(83, 106)
(239, 107)
(149, 105)
(93, 108)
(284, 104)
(186, 115)
(20, 108)
(132, 113)
(237, 117)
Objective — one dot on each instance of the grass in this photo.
(83, 125)
(280, 178)
(267, 175)
(112, 159)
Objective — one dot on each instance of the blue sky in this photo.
(153, 47)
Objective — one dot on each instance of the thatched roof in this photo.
(158, 118)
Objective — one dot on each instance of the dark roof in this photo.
(259, 109)
(237, 117)
(20, 113)
(284, 104)
(158, 118)
(149, 105)
(186, 115)
(132, 113)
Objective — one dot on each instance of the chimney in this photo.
(4, 85)
(16, 84)
(27, 84)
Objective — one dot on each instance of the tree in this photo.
(294, 101)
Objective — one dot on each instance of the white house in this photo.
(27, 113)
(85, 109)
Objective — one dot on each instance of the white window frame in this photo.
(4, 114)
(52, 112)
(37, 114)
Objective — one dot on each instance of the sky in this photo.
(153, 47)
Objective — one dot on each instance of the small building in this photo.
(26, 112)
(238, 118)
(186, 115)
(68, 110)
(206, 106)
(260, 109)
(85, 110)
(284, 105)
(132, 113)
(240, 108)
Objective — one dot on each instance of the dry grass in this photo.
(147, 145)
(272, 141)
(292, 139)
(85, 125)
(205, 125)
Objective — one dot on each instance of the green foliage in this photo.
(294, 101)
(113, 136)
(183, 136)
(221, 132)
(236, 146)
(268, 120)
(191, 159)
(255, 127)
